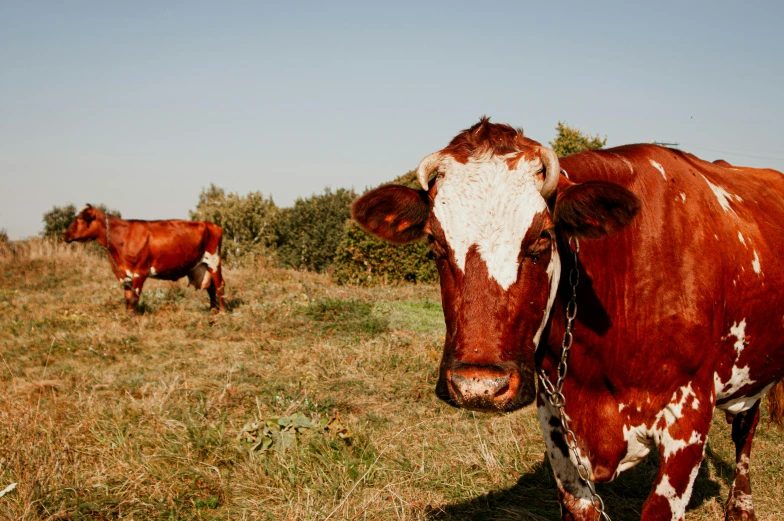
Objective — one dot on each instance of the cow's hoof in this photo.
(737, 514)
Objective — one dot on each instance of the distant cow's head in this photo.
(87, 226)
(493, 215)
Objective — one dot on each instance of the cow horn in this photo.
(552, 171)
(427, 165)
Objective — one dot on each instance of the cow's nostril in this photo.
(479, 388)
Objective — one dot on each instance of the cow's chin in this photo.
(523, 395)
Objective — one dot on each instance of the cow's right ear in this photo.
(395, 213)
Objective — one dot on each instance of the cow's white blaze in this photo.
(484, 204)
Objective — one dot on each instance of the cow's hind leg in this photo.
(739, 504)
(215, 289)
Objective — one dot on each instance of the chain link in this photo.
(555, 391)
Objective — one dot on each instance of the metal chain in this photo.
(125, 283)
(555, 391)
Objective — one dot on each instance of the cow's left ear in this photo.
(593, 209)
(395, 213)
(88, 213)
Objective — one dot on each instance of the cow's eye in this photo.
(540, 246)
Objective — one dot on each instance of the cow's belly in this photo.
(199, 277)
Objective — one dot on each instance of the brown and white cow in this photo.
(680, 302)
(167, 250)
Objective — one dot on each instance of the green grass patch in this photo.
(347, 316)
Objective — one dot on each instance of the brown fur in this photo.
(492, 138)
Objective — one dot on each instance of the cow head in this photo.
(87, 226)
(494, 215)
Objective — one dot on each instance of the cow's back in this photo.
(694, 282)
(173, 247)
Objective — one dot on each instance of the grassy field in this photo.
(306, 401)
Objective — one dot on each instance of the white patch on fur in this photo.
(683, 197)
(554, 277)
(658, 167)
(621, 407)
(723, 196)
(211, 259)
(741, 239)
(153, 273)
(744, 403)
(756, 263)
(738, 378)
(641, 438)
(738, 330)
(565, 468)
(677, 503)
(743, 501)
(638, 445)
(484, 204)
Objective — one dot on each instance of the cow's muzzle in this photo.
(498, 388)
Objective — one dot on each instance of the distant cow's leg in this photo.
(133, 293)
(215, 289)
(131, 300)
(739, 505)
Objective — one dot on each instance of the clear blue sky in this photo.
(140, 105)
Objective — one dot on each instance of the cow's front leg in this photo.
(133, 291)
(739, 505)
(574, 494)
(680, 431)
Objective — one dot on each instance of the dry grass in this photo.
(106, 416)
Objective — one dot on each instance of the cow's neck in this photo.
(110, 224)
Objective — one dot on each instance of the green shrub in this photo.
(571, 140)
(248, 222)
(310, 231)
(5, 242)
(364, 259)
(367, 260)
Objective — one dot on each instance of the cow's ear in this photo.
(594, 208)
(88, 214)
(394, 213)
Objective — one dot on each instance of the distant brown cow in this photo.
(167, 250)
